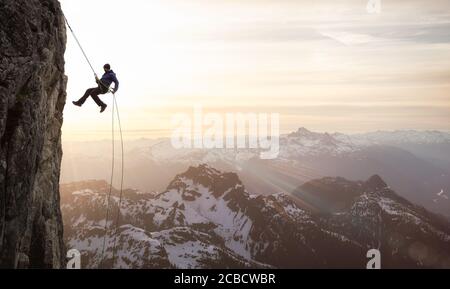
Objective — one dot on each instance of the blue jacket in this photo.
(108, 78)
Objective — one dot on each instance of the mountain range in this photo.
(416, 164)
(207, 219)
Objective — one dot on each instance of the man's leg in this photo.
(94, 94)
(82, 100)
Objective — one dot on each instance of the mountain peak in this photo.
(335, 194)
(202, 169)
(208, 177)
(376, 182)
(301, 132)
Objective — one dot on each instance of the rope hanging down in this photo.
(108, 200)
(79, 44)
(115, 108)
(121, 181)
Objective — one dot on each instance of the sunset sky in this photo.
(324, 65)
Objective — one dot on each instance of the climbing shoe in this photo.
(76, 103)
(103, 108)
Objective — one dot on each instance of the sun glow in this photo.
(329, 65)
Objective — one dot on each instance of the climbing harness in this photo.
(115, 110)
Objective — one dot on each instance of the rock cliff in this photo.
(32, 98)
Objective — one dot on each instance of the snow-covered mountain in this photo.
(415, 163)
(207, 219)
(303, 143)
(300, 143)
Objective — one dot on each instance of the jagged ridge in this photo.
(207, 219)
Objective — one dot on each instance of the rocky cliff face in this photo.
(32, 98)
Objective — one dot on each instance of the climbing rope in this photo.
(79, 44)
(108, 200)
(115, 108)
(121, 181)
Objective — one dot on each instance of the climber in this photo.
(103, 87)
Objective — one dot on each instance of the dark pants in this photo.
(94, 93)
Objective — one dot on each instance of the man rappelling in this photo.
(103, 87)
